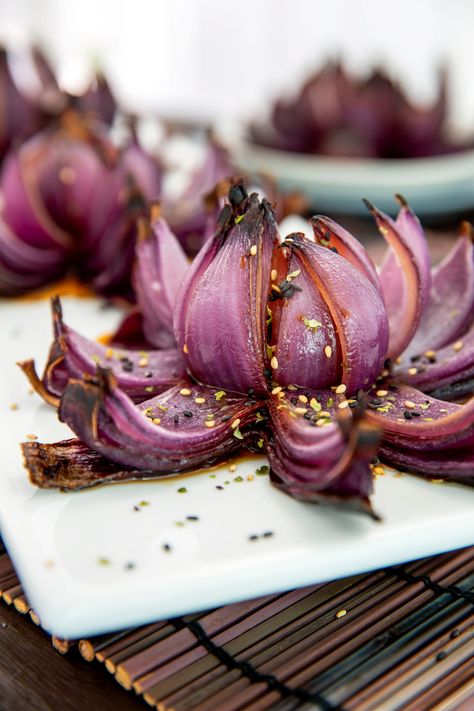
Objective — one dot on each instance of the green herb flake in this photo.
(149, 389)
(260, 443)
(263, 470)
(103, 561)
(220, 394)
(239, 218)
(238, 478)
(238, 433)
(144, 503)
(182, 490)
(315, 405)
(259, 417)
(212, 476)
(330, 402)
(312, 324)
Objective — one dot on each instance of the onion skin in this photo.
(247, 373)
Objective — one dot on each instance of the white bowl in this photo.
(433, 186)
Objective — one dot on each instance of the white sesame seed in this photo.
(412, 371)
(302, 398)
(210, 423)
(328, 351)
(342, 405)
(274, 363)
(253, 250)
(457, 346)
(381, 393)
(235, 423)
(274, 275)
(277, 390)
(340, 389)
(341, 613)
(410, 404)
(300, 410)
(185, 348)
(156, 420)
(200, 400)
(143, 362)
(185, 392)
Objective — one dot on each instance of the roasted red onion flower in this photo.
(71, 200)
(335, 114)
(282, 347)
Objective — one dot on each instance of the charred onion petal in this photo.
(157, 434)
(138, 373)
(221, 309)
(453, 465)
(414, 420)
(450, 310)
(356, 309)
(405, 274)
(449, 365)
(159, 270)
(330, 234)
(71, 465)
(321, 462)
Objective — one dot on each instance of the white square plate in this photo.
(90, 562)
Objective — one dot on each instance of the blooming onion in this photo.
(299, 349)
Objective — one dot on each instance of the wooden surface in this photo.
(399, 639)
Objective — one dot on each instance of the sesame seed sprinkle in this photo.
(342, 405)
(302, 398)
(412, 371)
(381, 393)
(274, 363)
(341, 389)
(210, 423)
(200, 400)
(253, 250)
(328, 351)
(274, 275)
(277, 390)
(185, 391)
(341, 613)
(458, 346)
(409, 404)
(235, 423)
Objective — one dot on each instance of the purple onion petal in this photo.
(138, 373)
(450, 310)
(157, 434)
(405, 274)
(221, 309)
(159, 271)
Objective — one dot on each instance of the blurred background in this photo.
(211, 60)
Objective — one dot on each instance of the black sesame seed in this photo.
(307, 415)
(415, 413)
(166, 547)
(387, 363)
(353, 404)
(251, 392)
(253, 537)
(432, 359)
(187, 413)
(192, 518)
(267, 373)
(333, 249)
(440, 656)
(415, 358)
(421, 369)
(226, 418)
(407, 415)
(455, 633)
(376, 401)
(267, 534)
(393, 388)
(129, 566)
(375, 460)
(148, 374)
(127, 366)
(176, 419)
(221, 488)
(372, 405)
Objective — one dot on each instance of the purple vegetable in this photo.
(70, 192)
(285, 347)
(335, 114)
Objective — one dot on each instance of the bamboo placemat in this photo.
(398, 638)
